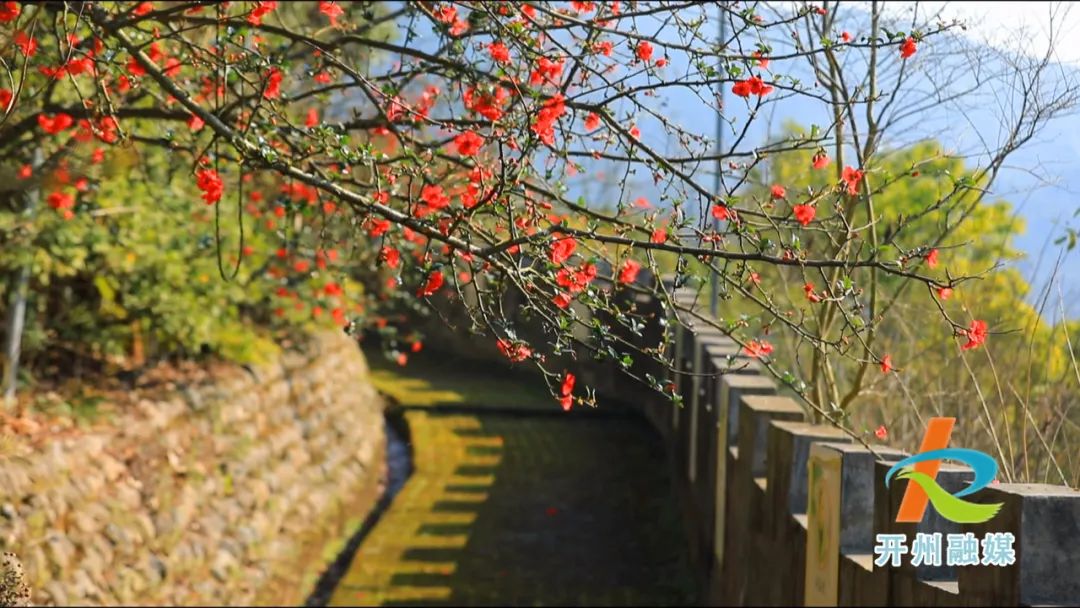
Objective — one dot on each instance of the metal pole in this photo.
(714, 280)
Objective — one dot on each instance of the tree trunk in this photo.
(17, 312)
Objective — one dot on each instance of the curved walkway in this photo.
(512, 501)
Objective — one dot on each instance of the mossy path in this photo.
(513, 502)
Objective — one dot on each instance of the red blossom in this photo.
(721, 212)
(932, 258)
(944, 292)
(195, 123)
(27, 44)
(312, 118)
(561, 299)
(211, 185)
(143, 8)
(5, 98)
(562, 249)
(844, 36)
(592, 121)
(778, 191)
(881, 433)
(852, 177)
(60, 200)
(629, 271)
(821, 160)
(514, 351)
(908, 48)
(499, 52)
(433, 283)
(390, 256)
(468, 143)
(566, 391)
(434, 196)
(658, 236)
(273, 84)
(261, 10)
(804, 214)
(546, 72)
(9, 11)
(810, 295)
(332, 10)
(644, 51)
(758, 349)
(886, 364)
(56, 123)
(25, 172)
(976, 335)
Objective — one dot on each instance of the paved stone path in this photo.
(513, 502)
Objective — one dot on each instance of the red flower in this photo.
(210, 183)
(312, 119)
(629, 271)
(932, 258)
(547, 71)
(552, 110)
(567, 390)
(143, 8)
(27, 44)
(778, 191)
(499, 52)
(433, 283)
(976, 335)
(60, 200)
(804, 214)
(195, 123)
(720, 212)
(635, 132)
(5, 98)
(515, 351)
(562, 249)
(592, 121)
(852, 177)
(751, 86)
(434, 197)
(9, 11)
(644, 51)
(821, 160)
(907, 49)
(881, 432)
(25, 172)
(331, 10)
(886, 364)
(658, 236)
(261, 10)
(489, 104)
(846, 37)
(390, 256)
(810, 295)
(377, 228)
(944, 292)
(468, 143)
(56, 123)
(758, 349)
(273, 84)
(762, 60)
(562, 300)
(642, 202)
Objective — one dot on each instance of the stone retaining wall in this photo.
(224, 493)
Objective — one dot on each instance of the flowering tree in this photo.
(449, 145)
